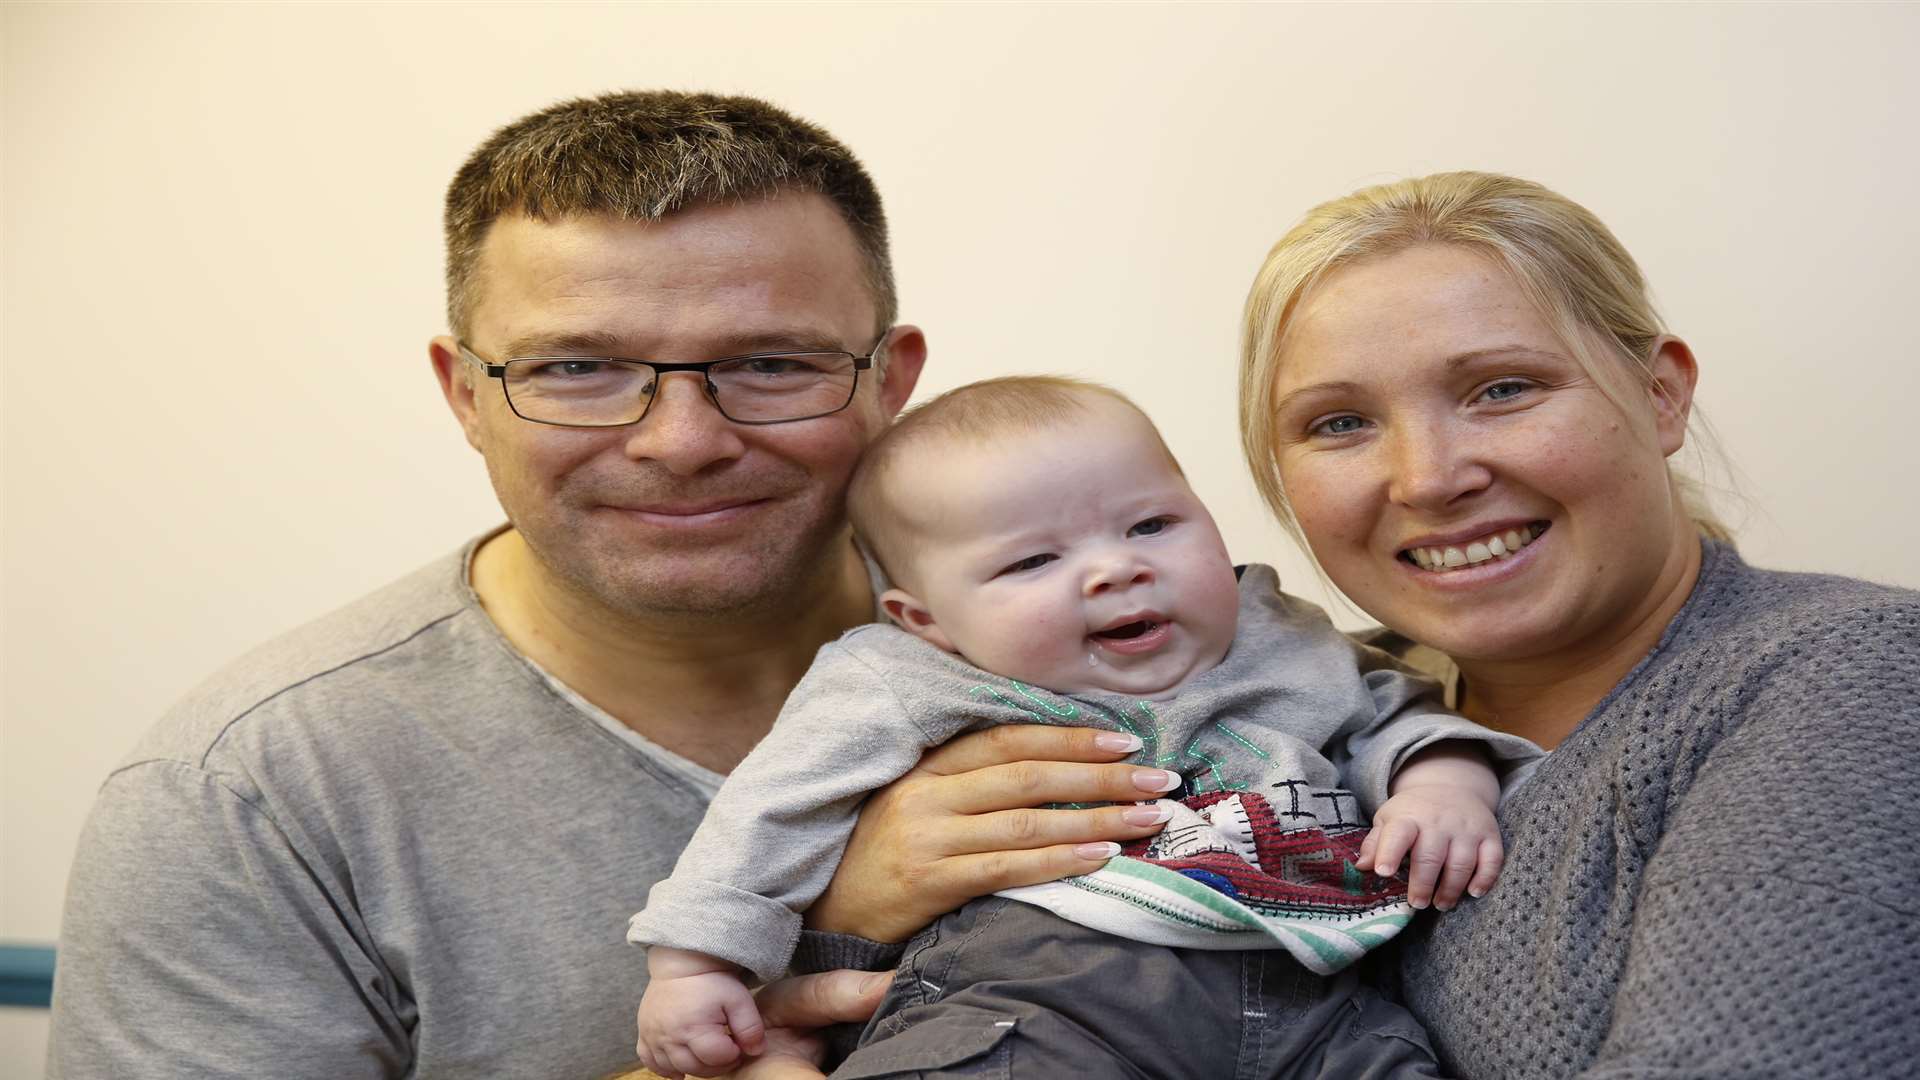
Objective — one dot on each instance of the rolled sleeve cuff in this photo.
(1371, 774)
(721, 921)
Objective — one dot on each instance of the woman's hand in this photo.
(965, 823)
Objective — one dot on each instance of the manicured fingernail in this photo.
(1156, 780)
(1158, 813)
(1118, 741)
(1103, 850)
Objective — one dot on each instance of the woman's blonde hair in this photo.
(1566, 262)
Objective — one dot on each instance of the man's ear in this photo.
(909, 614)
(456, 373)
(906, 354)
(1674, 375)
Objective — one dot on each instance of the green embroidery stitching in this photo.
(1065, 711)
(1213, 767)
(1242, 740)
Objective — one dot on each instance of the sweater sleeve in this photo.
(199, 940)
(1775, 929)
(774, 834)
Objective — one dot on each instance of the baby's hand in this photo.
(1452, 837)
(699, 1021)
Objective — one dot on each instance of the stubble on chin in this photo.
(780, 566)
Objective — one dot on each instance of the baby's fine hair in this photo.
(974, 414)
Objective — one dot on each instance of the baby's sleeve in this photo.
(774, 834)
(1408, 717)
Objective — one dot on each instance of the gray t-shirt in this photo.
(384, 845)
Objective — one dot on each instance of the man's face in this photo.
(685, 512)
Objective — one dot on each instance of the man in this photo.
(405, 839)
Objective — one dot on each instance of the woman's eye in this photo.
(1153, 526)
(1031, 562)
(1337, 425)
(1504, 390)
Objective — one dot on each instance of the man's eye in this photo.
(1031, 562)
(568, 369)
(1153, 526)
(775, 366)
(1337, 425)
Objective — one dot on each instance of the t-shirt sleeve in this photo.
(1775, 932)
(197, 941)
(774, 834)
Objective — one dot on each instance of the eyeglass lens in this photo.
(592, 392)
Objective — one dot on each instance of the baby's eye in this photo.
(1031, 562)
(1153, 526)
(1344, 424)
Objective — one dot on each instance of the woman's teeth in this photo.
(1486, 549)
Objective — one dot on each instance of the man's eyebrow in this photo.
(602, 343)
(564, 343)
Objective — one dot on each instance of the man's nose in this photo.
(1117, 570)
(684, 429)
(1432, 465)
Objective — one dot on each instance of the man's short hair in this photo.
(974, 414)
(641, 155)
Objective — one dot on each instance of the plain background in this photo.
(222, 264)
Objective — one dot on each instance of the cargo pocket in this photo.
(969, 1044)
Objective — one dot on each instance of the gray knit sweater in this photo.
(1715, 874)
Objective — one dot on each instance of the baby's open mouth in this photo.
(1127, 630)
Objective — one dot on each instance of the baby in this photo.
(1051, 564)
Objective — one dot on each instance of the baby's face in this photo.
(1074, 559)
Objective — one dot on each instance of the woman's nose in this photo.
(1432, 466)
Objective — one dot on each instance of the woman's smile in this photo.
(1492, 545)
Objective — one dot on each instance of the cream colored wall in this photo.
(222, 264)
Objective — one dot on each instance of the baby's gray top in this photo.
(1296, 711)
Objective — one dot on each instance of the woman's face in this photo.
(1460, 476)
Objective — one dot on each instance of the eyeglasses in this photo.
(608, 391)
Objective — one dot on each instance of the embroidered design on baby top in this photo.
(1234, 868)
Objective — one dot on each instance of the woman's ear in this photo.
(909, 614)
(1674, 375)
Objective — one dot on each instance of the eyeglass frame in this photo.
(499, 371)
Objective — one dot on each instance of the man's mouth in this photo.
(1502, 544)
(709, 511)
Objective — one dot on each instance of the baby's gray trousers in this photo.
(1005, 989)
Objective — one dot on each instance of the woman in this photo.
(1455, 391)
